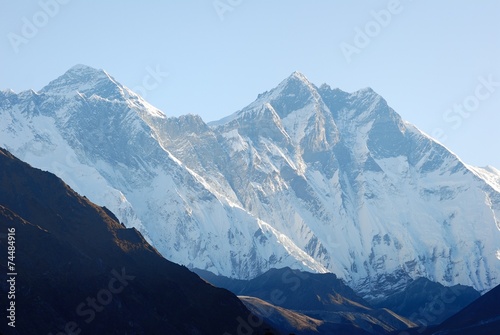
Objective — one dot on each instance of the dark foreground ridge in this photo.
(78, 269)
(317, 303)
(428, 303)
(481, 317)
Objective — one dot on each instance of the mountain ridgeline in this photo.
(326, 298)
(80, 271)
(309, 177)
(330, 305)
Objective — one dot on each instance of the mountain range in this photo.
(308, 177)
(320, 297)
(327, 298)
(78, 270)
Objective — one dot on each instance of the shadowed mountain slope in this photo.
(428, 303)
(481, 317)
(79, 269)
(322, 297)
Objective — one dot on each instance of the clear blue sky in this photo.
(424, 59)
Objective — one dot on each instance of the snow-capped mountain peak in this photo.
(82, 79)
(292, 93)
(312, 178)
(298, 76)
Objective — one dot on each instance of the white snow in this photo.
(269, 206)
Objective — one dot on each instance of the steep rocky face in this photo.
(79, 269)
(313, 178)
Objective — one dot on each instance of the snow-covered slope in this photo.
(307, 177)
(89, 130)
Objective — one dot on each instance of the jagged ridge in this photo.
(308, 177)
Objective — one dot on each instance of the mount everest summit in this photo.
(309, 177)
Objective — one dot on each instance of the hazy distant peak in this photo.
(82, 68)
(297, 78)
(83, 73)
(366, 90)
(295, 90)
(300, 76)
(87, 80)
(8, 91)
